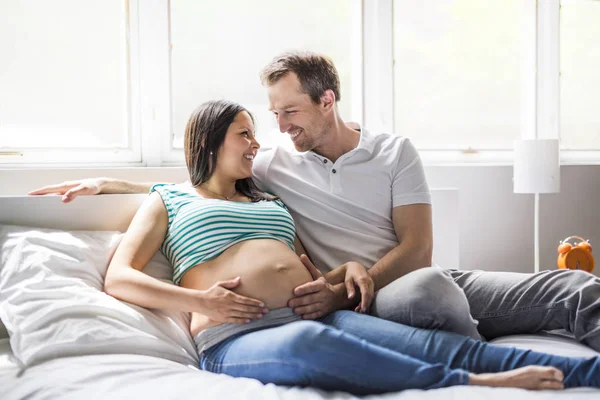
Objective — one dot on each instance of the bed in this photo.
(69, 340)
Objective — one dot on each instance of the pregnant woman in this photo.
(236, 262)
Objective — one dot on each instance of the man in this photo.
(362, 196)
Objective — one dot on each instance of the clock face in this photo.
(579, 259)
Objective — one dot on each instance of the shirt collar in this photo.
(365, 143)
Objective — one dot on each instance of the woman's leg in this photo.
(309, 353)
(460, 352)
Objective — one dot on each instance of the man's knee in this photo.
(426, 298)
(423, 290)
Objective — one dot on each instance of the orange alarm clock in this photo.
(576, 255)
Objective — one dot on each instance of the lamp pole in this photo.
(536, 230)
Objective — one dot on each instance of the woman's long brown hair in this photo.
(204, 135)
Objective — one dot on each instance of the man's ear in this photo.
(328, 99)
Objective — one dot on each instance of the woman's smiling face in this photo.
(239, 148)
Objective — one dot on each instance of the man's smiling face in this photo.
(296, 114)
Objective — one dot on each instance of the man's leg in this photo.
(507, 303)
(427, 298)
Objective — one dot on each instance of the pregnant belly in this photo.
(269, 271)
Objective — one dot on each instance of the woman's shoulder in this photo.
(184, 188)
(275, 201)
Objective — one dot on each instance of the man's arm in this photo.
(412, 224)
(72, 189)
(413, 227)
(411, 218)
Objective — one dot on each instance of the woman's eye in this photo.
(245, 133)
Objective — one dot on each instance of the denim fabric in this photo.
(490, 304)
(459, 351)
(310, 353)
(363, 355)
(507, 303)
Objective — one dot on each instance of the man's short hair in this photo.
(315, 72)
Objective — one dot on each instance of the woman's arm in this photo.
(126, 281)
(92, 186)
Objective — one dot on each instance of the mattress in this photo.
(123, 376)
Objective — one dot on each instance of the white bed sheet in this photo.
(7, 362)
(122, 376)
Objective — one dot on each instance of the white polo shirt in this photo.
(343, 210)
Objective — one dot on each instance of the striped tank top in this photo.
(200, 229)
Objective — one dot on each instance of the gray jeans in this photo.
(486, 305)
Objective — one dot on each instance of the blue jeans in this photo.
(483, 304)
(362, 354)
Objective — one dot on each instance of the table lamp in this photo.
(536, 170)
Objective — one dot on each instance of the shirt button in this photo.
(324, 161)
(334, 171)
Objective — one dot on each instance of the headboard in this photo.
(115, 211)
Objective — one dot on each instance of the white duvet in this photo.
(69, 340)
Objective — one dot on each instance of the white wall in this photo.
(496, 226)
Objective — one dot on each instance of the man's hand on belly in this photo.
(318, 298)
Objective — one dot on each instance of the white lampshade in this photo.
(536, 166)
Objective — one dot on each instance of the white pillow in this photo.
(52, 303)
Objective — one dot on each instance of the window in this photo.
(456, 73)
(579, 77)
(114, 81)
(65, 80)
(219, 48)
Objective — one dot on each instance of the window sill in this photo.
(439, 158)
(430, 158)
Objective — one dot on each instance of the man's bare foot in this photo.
(531, 377)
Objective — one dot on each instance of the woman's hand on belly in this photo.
(221, 304)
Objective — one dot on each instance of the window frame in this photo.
(539, 91)
(13, 157)
(171, 156)
(150, 106)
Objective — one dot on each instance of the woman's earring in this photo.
(210, 153)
